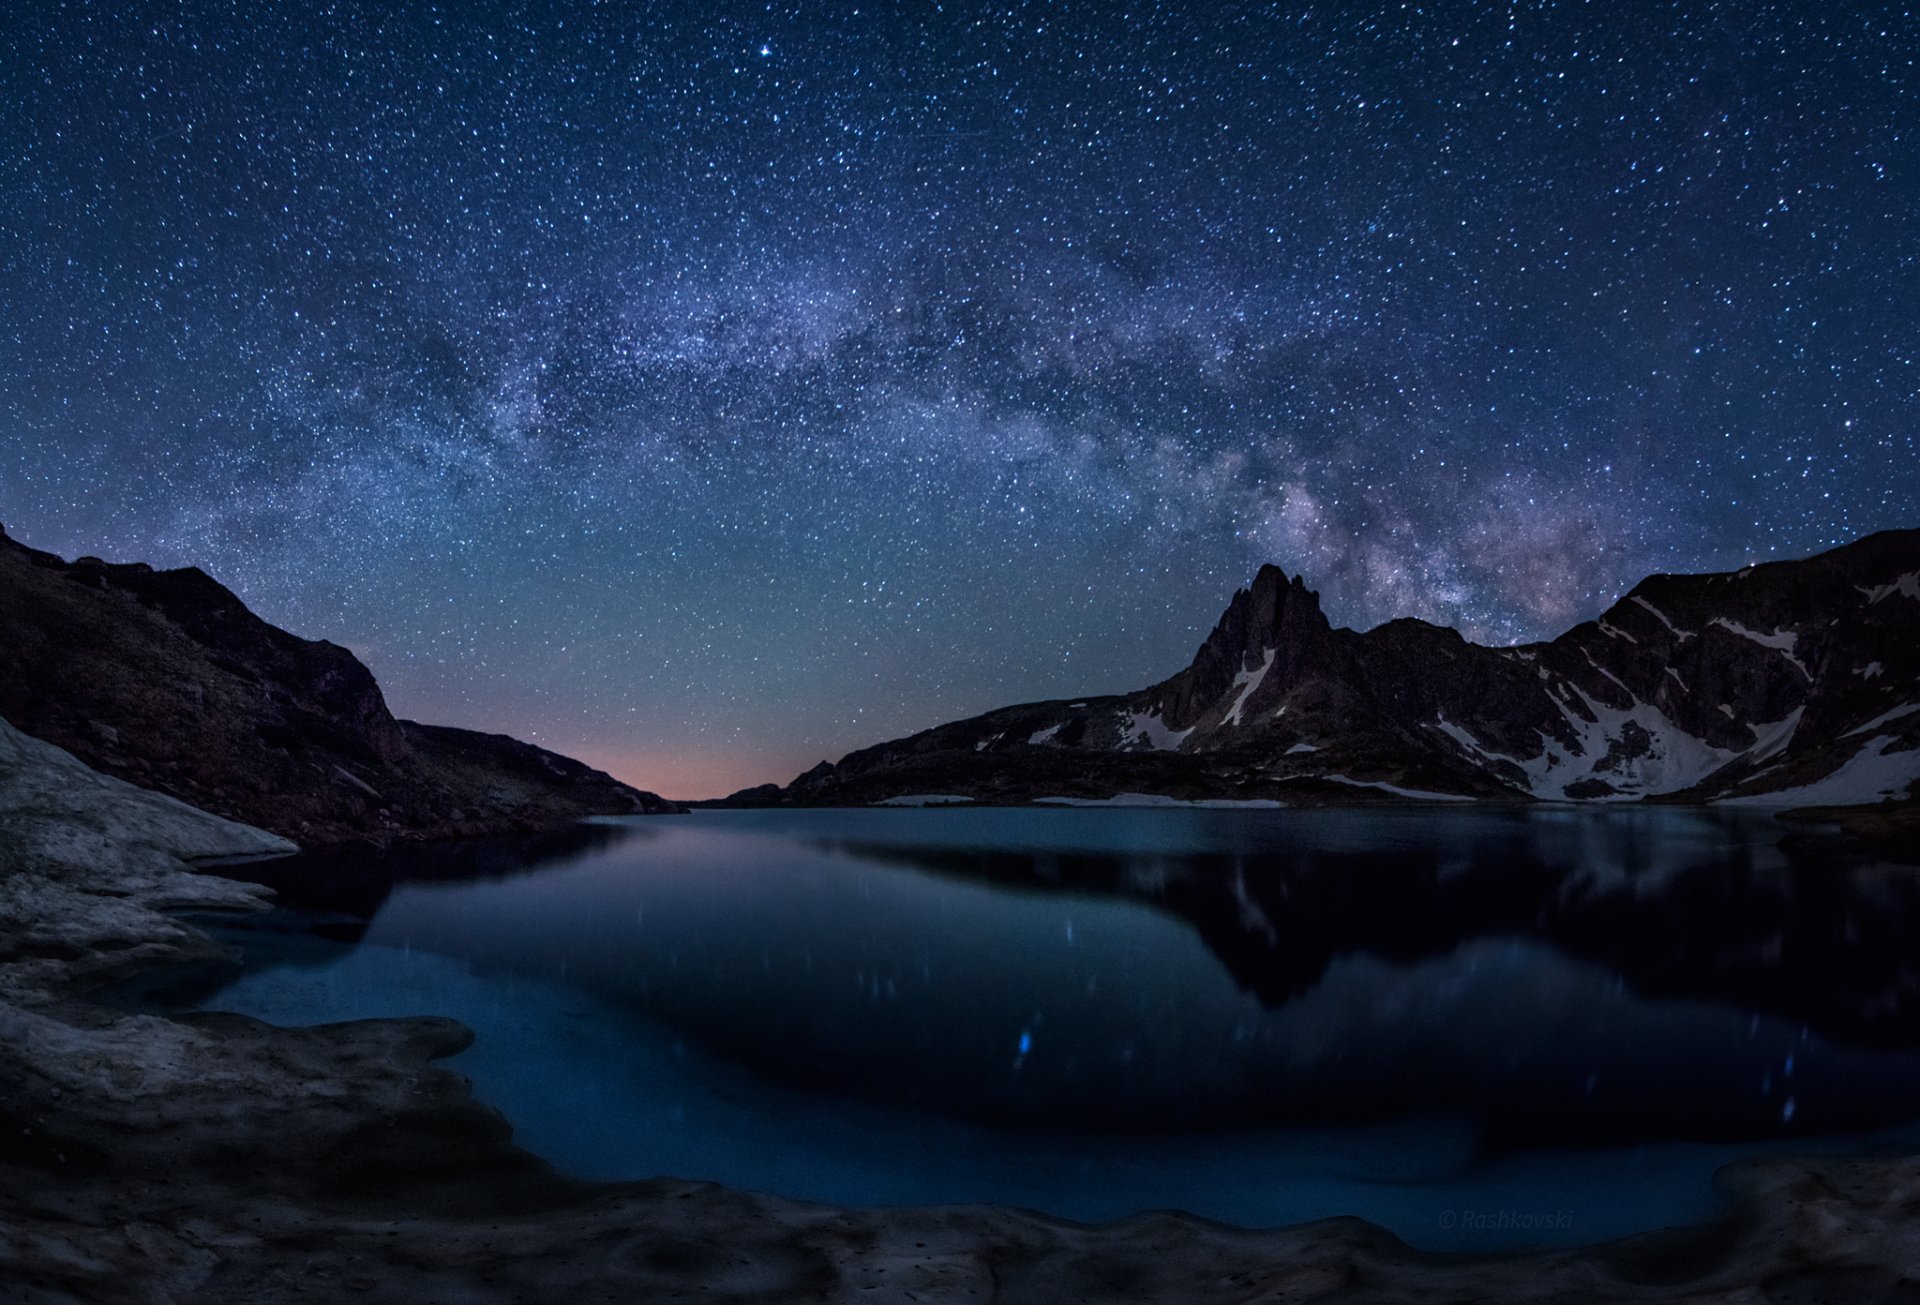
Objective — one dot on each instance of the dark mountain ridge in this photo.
(1793, 683)
(166, 679)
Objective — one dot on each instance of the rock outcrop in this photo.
(166, 679)
(1794, 684)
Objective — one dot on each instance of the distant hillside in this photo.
(164, 678)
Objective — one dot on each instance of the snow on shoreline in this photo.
(1161, 800)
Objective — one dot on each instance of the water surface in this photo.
(1477, 1028)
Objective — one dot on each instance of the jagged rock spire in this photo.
(1275, 613)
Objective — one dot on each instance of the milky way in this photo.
(708, 389)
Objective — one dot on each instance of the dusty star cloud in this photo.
(708, 389)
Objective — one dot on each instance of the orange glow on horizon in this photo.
(678, 774)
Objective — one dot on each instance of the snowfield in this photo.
(1870, 776)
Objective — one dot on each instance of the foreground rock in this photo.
(216, 1159)
(1795, 684)
(166, 679)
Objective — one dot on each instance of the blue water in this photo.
(1478, 1029)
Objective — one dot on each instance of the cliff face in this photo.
(1792, 683)
(165, 679)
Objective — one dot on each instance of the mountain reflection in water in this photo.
(1557, 978)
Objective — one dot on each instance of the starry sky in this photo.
(706, 389)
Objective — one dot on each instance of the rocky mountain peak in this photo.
(1274, 624)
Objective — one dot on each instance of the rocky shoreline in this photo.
(212, 1158)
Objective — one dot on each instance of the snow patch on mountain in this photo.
(1870, 670)
(1042, 736)
(1479, 750)
(1907, 586)
(1424, 795)
(1247, 682)
(1609, 674)
(1299, 749)
(1883, 718)
(1678, 633)
(1771, 739)
(1615, 632)
(1781, 641)
(1154, 731)
(1636, 749)
(1870, 776)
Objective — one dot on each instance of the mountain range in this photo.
(1788, 684)
(1791, 684)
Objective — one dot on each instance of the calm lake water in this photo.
(1476, 1028)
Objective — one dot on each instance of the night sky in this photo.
(707, 389)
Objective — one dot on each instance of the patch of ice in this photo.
(1726, 711)
(1871, 775)
(923, 800)
(984, 744)
(1299, 748)
(1907, 586)
(1781, 641)
(1883, 718)
(1682, 635)
(1045, 735)
(1247, 682)
(1870, 670)
(1675, 676)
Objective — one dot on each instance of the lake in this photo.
(1477, 1028)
